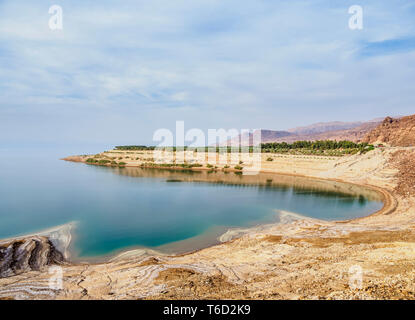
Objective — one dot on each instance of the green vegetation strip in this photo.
(104, 162)
(321, 147)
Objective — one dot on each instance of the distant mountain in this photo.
(322, 127)
(270, 135)
(353, 131)
(399, 132)
(247, 139)
(355, 134)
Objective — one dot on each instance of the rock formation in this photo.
(394, 132)
(21, 255)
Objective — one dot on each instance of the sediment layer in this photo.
(33, 253)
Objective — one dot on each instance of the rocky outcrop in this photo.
(394, 132)
(21, 255)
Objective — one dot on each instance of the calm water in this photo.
(119, 208)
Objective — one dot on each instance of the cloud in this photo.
(127, 69)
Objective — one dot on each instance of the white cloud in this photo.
(216, 63)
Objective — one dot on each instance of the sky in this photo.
(120, 70)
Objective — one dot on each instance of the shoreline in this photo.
(300, 259)
(62, 236)
(390, 202)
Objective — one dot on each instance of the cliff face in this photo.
(395, 132)
(34, 253)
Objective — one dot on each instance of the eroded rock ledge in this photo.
(22, 255)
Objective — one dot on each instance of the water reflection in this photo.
(296, 184)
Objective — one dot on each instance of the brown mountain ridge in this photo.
(396, 132)
(352, 131)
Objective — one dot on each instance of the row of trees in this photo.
(267, 147)
(316, 145)
(185, 148)
(134, 148)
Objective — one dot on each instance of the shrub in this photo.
(238, 167)
(270, 159)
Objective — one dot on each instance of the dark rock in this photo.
(32, 253)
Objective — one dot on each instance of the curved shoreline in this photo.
(298, 259)
(63, 241)
(390, 202)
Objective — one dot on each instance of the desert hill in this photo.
(355, 134)
(398, 132)
(322, 127)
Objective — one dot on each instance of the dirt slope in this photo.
(394, 132)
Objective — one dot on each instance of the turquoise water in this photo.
(123, 208)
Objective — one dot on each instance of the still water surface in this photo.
(119, 208)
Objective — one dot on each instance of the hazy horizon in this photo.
(116, 73)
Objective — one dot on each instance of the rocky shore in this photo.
(29, 254)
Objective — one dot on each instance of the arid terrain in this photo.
(299, 258)
(396, 132)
